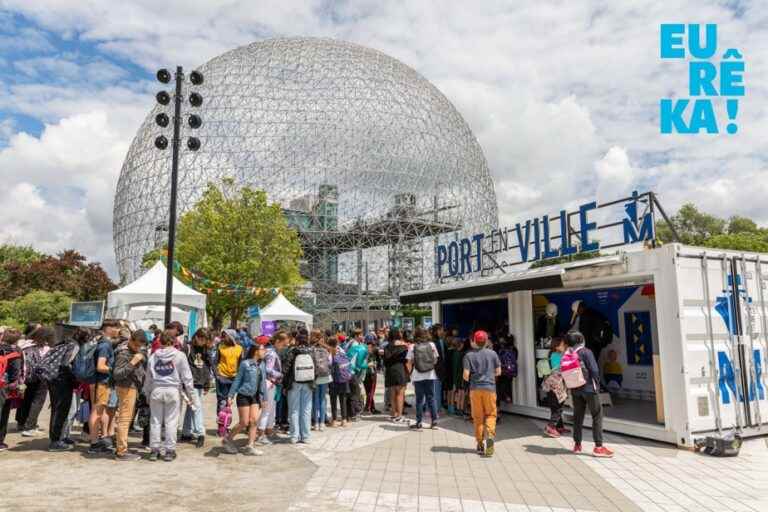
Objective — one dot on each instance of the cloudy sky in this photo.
(562, 95)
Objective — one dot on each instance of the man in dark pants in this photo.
(587, 396)
(8, 341)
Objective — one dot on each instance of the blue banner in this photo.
(637, 326)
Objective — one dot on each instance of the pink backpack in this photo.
(570, 369)
(224, 420)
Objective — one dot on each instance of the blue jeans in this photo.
(299, 411)
(318, 404)
(193, 420)
(222, 393)
(425, 390)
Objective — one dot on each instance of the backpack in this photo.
(508, 358)
(303, 367)
(320, 359)
(32, 359)
(424, 358)
(570, 369)
(49, 368)
(224, 420)
(84, 366)
(4, 362)
(342, 374)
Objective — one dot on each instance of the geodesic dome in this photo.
(370, 162)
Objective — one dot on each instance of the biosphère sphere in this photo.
(370, 162)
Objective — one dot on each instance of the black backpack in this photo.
(49, 368)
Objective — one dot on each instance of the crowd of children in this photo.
(116, 380)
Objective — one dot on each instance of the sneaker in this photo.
(321, 427)
(28, 433)
(564, 430)
(68, 441)
(294, 441)
(489, 447)
(577, 448)
(264, 440)
(433, 426)
(154, 456)
(229, 446)
(305, 441)
(376, 412)
(59, 447)
(480, 449)
(127, 457)
(200, 442)
(415, 426)
(344, 423)
(603, 452)
(169, 456)
(186, 438)
(551, 431)
(251, 451)
(366, 413)
(95, 448)
(3, 447)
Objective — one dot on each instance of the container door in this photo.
(715, 363)
(753, 348)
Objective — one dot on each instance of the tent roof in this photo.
(282, 309)
(150, 289)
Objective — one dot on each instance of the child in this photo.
(167, 371)
(198, 355)
(340, 388)
(554, 386)
(250, 387)
(508, 357)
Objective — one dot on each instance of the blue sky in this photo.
(562, 96)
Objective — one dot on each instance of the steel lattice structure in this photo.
(371, 163)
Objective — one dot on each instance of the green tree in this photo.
(39, 306)
(693, 226)
(237, 237)
(67, 272)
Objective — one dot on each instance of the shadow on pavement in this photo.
(545, 450)
(451, 449)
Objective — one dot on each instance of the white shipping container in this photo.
(709, 315)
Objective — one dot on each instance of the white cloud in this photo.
(562, 97)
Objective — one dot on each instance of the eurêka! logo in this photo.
(706, 79)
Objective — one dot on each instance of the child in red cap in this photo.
(481, 368)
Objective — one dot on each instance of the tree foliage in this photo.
(37, 306)
(237, 237)
(24, 271)
(695, 227)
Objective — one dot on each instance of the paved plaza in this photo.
(378, 466)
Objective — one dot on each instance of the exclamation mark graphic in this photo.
(733, 108)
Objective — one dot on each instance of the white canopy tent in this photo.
(146, 296)
(282, 309)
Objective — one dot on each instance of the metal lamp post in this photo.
(161, 143)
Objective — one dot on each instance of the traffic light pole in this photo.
(174, 184)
